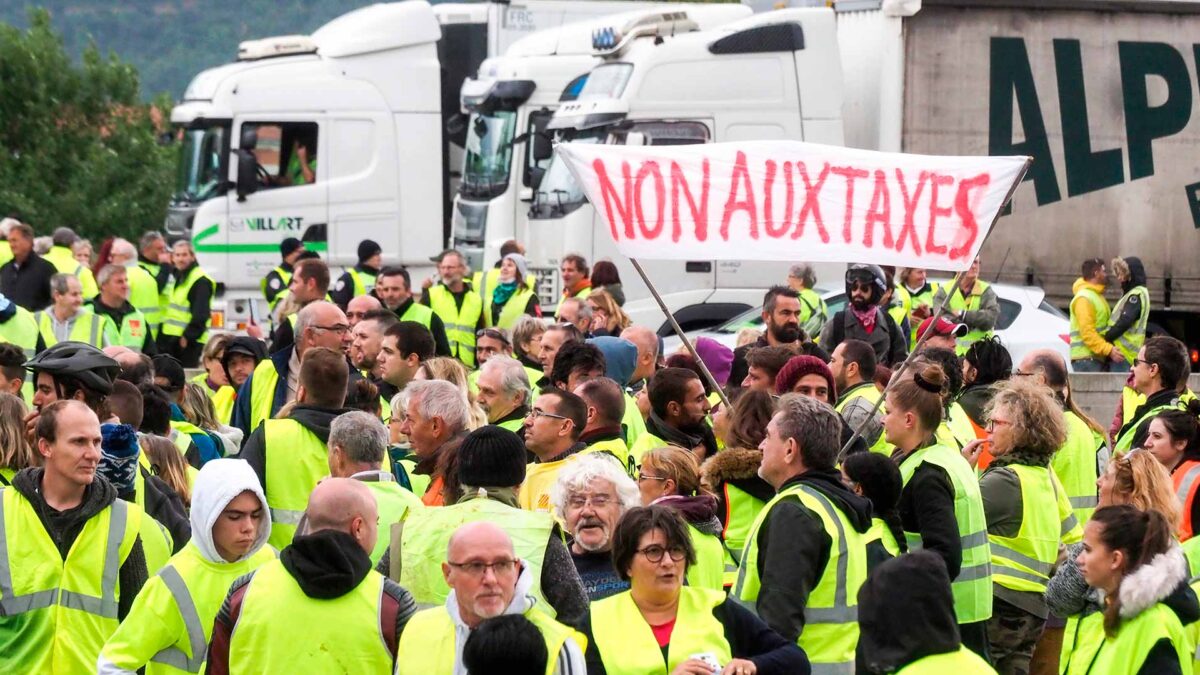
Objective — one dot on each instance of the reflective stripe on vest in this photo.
(1129, 342)
(363, 283)
(21, 330)
(460, 322)
(1124, 442)
(179, 312)
(1079, 350)
(959, 304)
(297, 460)
(174, 656)
(132, 331)
(285, 278)
(1023, 562)
(831, 615)
(1184, 479)
(627, 645)
(88, 328)
(973, 586)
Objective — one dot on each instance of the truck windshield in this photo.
(558, 193)
(201, 162)
(489, 154)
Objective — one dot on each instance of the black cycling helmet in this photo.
(243, 344)
(78, 361)
(871, 274)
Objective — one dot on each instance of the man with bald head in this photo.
(1076, 462)
(358, 308)
(487, 580)
(646, 342)
(275, 380)
(320, 606)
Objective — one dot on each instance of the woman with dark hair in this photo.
(955, 429)
(1173, 438)
(732, 474)
(876, 477)
(661, 626)
(605, 276)
(1132, 557)
(985, 363)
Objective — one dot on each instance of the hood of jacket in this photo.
(1082, 283)
(738, 467)
(326, 564)
(829, 482)
(699, 511)
(1163, 579)
(905, 613)
(316, 420)
(217, 484)
(230, 437)
(1137, 274)
(620, 357)
(521, 603)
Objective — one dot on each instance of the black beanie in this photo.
(367, 249)
(491, 456)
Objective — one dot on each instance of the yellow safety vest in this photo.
(363, 282)
(510, 313)
(868, 392)
(741, 512)
(131, 333)
(5, 251)
(618, 449)
(163, 296)
(627, 645)
(972, 587)
(179, 312)
(157, 542)
(970, 303)
(831, 615)
(1076, 465)
(60, 612)
(395, 503)
(64, 261)
(170, 624)
(1079, 350)
(1124, 442)
(813, 312)
(426, 533)
(427, 645)
(22, 330)
(88, 328)
(460, 322)
(709, 570)
(285, 277)
(143, 295)
(282, 630)
(1082, 639)
(486, 282)
(262, 392)
(419, 313)
(296, 461)
(223, 400)
(1024, 562)
(962, 662)
(582, 295)
(881, 533)
(901, 305)
(645, 443)
(1132, 339)
(632, 421)
(1127, 651)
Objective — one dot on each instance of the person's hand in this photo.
(1116, 356)
(183, 343)
(972, 450)
(921, 312)
(302, 153)
(255, 331)
(428, 283)
(740, 667)
(692, 667)
(599, 321)
(31, 421)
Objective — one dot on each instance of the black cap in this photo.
(169, 368)
(491, 456)
(244, 344)
(368, 249)
(289, 246)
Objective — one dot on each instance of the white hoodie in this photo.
(218, 483)
(570, 658)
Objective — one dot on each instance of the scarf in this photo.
(503, 292)
(579, 288)
(866, 318)
(1021, 456)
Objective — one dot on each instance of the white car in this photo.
(1027, 322)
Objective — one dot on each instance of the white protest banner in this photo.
(787, 200)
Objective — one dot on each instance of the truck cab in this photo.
(775, 75)
(323, 138)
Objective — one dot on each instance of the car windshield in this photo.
(489, 154)
(200, 162)
(559, 193)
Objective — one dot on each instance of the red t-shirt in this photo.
(662, 633)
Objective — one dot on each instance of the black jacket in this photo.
(793, 550)
(316, 420)
(199, 299)
(887, 339)
(1132, 308)
(739, 369)
(163, 504)
(64, 528)
(927, 508)
(28, 284)
(1153, 401)
(342, 292)
(905, 613)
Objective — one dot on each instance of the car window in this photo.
(1051, 309)
(1008, 313)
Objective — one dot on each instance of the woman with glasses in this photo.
(1159, 374)
(513, 297)
(1028, 516)
(607, 316)
(669, 477)
(1136, 479)
(1173, 438)
(661, 626)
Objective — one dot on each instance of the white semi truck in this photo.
(774, 75)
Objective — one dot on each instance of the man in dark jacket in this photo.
(200, 291)
(26, 278)
(792, 547)
(863, 318)
(781, 328)
(330, 560)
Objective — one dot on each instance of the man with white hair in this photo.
(578, 313)
(124, 324)
(143, 287)
(504, 392)
(591, 495)
(435, 422)
(487, 580)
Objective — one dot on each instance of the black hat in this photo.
(244, 344)
(368, 249)
(289, 246)
(169, 368)
(491, 456)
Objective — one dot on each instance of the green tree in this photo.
(77, 146)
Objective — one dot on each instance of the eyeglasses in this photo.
(1022, 373)
(654, 553)
(492, 333)
(535, 413)
(1143, 362)
(992, 424)
(642, 477)
(478, 569)
(340, 328)
(597, 501)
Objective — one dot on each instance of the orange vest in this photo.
(1186, 478)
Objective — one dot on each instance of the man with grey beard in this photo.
(591, 495)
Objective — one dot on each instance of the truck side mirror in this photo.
(247, 174)
(536, 173)
(541, 147)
